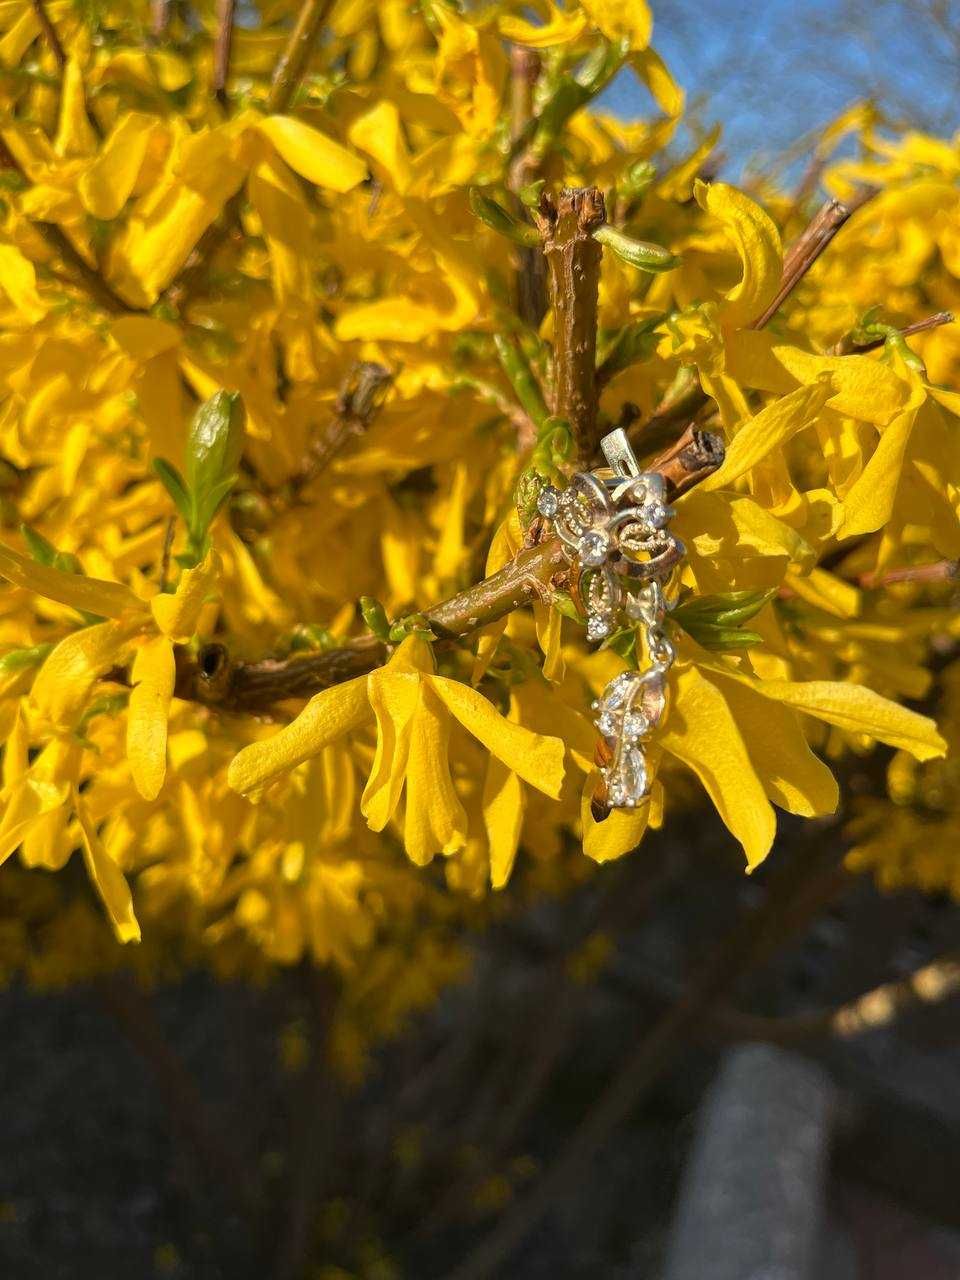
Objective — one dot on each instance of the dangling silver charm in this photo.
(614, 528)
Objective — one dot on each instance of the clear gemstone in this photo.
(615, 694)
(597, 628)
(548, 502)
(607, 724)
(635, 724)
(633, 775)
(655, 514)
(593, 547)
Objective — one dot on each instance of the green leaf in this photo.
(715, 621)
(375, 617)
(46, 553)
(23, 659)
(172, 481)
(728, 609)
(635, 181)
(530, 194)
(635, 341)
(505, 224)
(525, 385)
(213, 500)
(214, 445)
(719, 637)
(638, 253)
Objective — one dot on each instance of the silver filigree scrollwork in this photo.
(613, 525)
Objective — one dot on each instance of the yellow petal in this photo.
(326, 717)
(18, 279)
(863, 387)
(826, 591)
(379, 133)
(655, 74)
(107, 185)
(63, 683)
(869, 501)
(792, 776)
(394, 696)
(107, 878)
(27, 803)
(503, 808)
(435, 820)
(702, 732)
(770, 429)
(75, 136)
(621, 20)
(560, 28)
(758, 243)
(859, 710)
(177, 615)
(153, 676)
(618, 833)
(89, 595)
(536, 758)
(314, 156)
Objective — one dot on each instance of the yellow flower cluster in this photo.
(169, 240)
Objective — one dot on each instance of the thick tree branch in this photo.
(214, 679)
(573, 257)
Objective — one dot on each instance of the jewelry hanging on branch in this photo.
(613, 525)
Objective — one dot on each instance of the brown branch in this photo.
(226, 12)
(160, 11)
(808, 247)
(684, 398)
(90, 278)
(525, 66)
(573, 257)
(927, 574)
(214, 679)
(361, 396)
(49, 33)
(849, 346)
(292, 65)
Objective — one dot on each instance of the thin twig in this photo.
(49, 32)
(525, 66)
(160, 11)
(808, 247)
(849, 346)
(926, 574)
(684, 399)
(226, 11)
(292, 65)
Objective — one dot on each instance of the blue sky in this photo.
(771, 72)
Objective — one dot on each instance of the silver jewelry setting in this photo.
(613, 524)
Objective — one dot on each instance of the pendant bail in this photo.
(618, 451)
